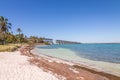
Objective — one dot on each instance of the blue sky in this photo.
(86, 21)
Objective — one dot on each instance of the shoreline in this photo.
(23, 62)
(93, 72)
(27, 65)
(70, 56)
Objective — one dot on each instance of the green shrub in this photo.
(9, 47)
(46, 43)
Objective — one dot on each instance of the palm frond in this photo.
(1, 18)
(10, 24)
(6, 19)
(9, 27)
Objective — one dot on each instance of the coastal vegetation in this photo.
(10, 41)
(9, 47)
(19, 35)
(4, 29)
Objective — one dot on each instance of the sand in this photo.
(24, 65)
(14, 66)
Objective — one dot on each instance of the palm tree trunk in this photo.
(19, 37)
(4, 36)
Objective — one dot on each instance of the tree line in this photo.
(7, 36)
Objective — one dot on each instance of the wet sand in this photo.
(70, 56)
(70, 71)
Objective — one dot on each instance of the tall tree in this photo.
(10, 38)
(4, 27)
(19, 31)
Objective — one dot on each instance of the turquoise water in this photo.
(97, 52)
(103, 57)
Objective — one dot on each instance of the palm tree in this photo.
(19, 31)
(4, 27)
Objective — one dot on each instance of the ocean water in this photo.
(98, 52)
(103, 57)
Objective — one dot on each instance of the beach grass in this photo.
(9, 47)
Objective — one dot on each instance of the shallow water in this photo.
(105, 57)
(99, 52)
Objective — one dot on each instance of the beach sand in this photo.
(24, 65)
(14, 66)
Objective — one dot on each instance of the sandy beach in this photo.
(60, 40)
(23, 65)
(14, 66)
